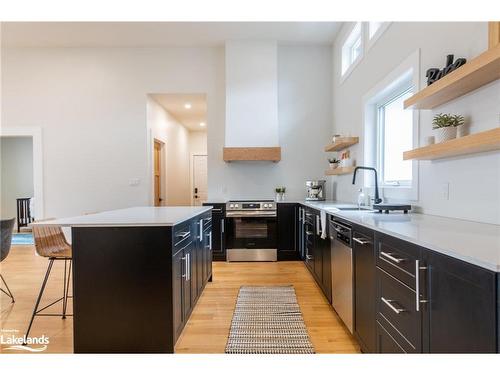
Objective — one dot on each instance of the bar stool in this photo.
(6, 228)
(51, 243)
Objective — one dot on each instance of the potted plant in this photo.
(445, 126)
(334, 163)
(280, 193)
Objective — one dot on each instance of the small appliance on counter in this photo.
(315, 190)
(386, 207)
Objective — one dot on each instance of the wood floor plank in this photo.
(207, 329)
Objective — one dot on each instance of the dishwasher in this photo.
(342, 272)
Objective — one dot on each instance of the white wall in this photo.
(198, 143)
(175, 154)
(251, 94)
(304, 113)
(91, 105)
(16, 173)
(474, 190)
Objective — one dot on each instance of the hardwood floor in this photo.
(208, 327)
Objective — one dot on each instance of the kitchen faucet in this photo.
(377, 197)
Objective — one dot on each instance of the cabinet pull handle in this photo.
(222, 226)
(388, 302)
(183, 234)
(201, 230)
(360, 241)
(209, 240)
(418, 301)
(184, 258)
(318, 226)
(389, 256)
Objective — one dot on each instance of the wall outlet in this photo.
(134, 182)
(445, 190)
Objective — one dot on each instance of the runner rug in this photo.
(267, 320)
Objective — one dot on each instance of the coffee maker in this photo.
(315, 190)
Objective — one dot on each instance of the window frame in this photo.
(407, 72)
(396, 93)
(355, 62)
(370, 42)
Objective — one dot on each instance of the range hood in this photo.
(252, 132)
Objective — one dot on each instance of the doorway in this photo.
(200, 189)
(157, 172)
(177, 149)
(34, 134)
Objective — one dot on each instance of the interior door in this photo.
(157, 172)
(199, 179)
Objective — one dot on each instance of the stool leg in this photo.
(64, 291)
(49, 267)
(66, 288)
(8, 290)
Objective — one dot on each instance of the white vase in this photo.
(333, 165)
(445, 134)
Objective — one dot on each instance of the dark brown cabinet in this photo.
(364, 288)
(287, 231)
(431, 303)
(191, 267)
(462, 310)
(177, 293)
(317, 251)
(218, 231)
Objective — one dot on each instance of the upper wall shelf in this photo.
(252, 154)
(480, 142)
(341, 143)
(479, 71)
(339, 171)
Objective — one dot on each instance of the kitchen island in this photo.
(137, 275)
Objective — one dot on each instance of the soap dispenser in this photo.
(361, 198)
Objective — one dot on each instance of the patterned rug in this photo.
(267, 320)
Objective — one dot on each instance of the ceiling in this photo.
(157, 34)
(189, 117)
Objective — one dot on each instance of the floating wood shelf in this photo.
(339, 170)
(480, 142)
(479, 71)
(252, 154)
(341, 143)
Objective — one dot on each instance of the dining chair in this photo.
(6, 228)
(51, 243)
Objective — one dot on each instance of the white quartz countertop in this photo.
(472, 242)
(131, 217)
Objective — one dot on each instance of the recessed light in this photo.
(187, 106)
(202, 124)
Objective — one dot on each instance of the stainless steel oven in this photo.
(251, 231)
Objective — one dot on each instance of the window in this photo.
(395, 135)
(389, 130)
(373, 27)
(352, 48)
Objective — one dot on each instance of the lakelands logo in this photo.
(16, 342)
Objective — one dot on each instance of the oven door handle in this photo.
(248, 214)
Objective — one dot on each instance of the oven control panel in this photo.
(250, 205)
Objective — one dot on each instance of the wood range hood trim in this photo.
(252, 154)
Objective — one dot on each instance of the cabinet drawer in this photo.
(396, 306)
(207, 222)
(398, 258)
(182, 235)
(386, 343)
